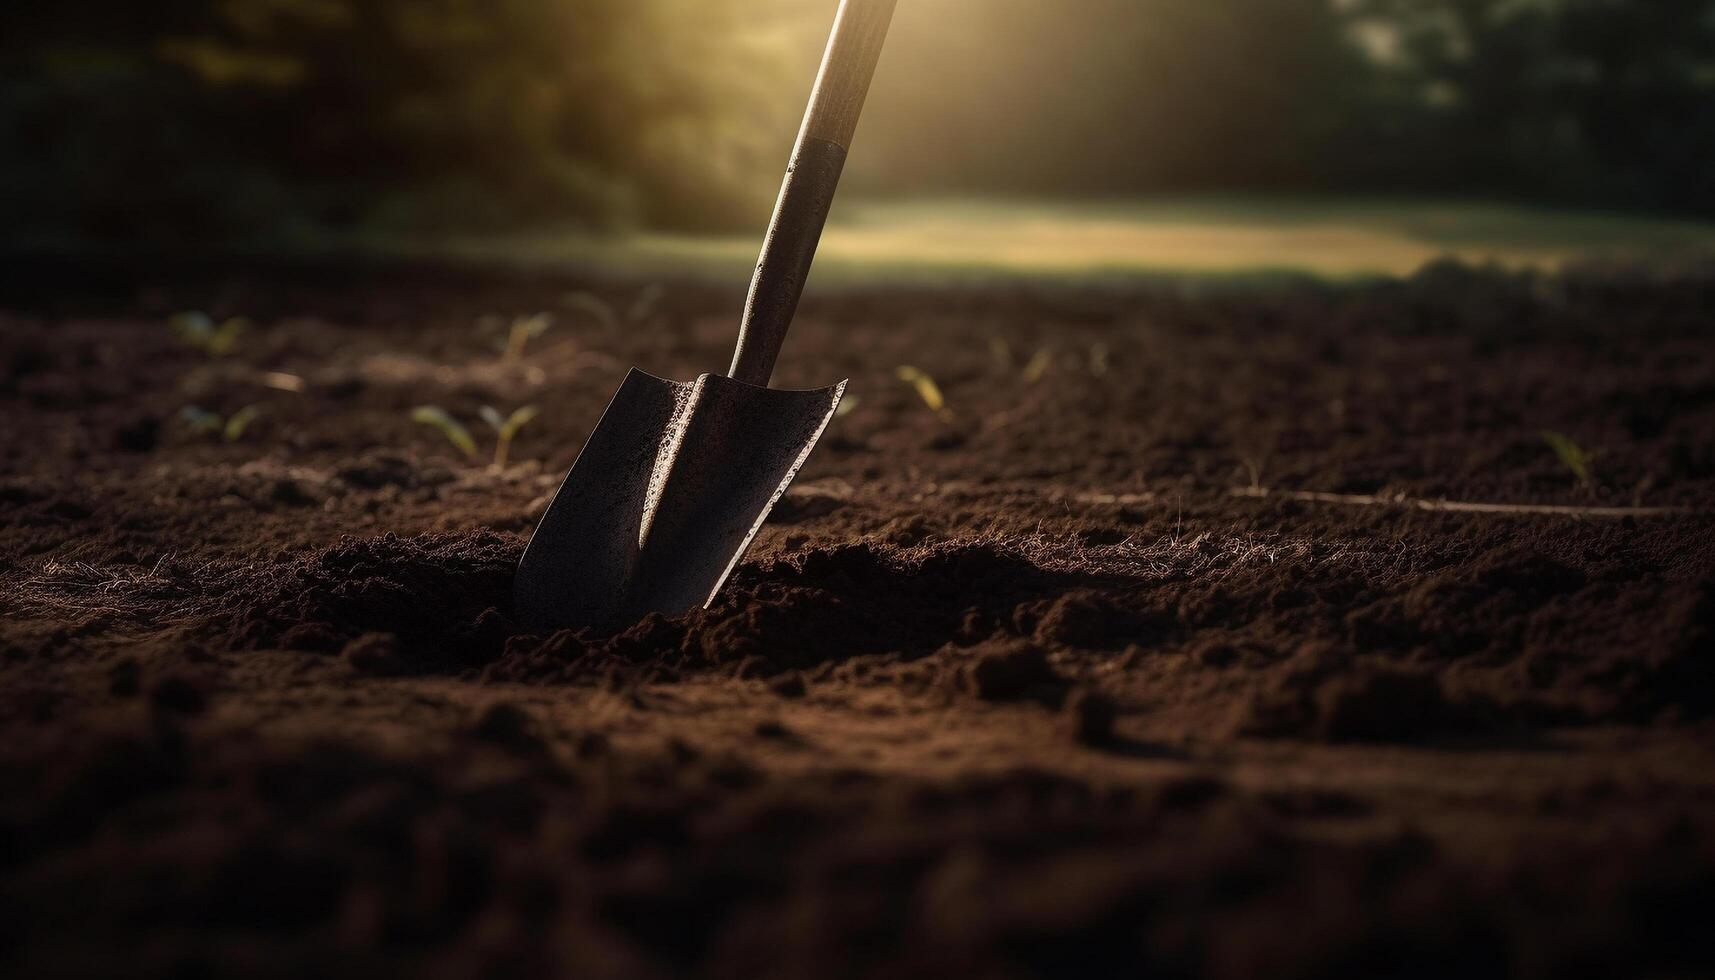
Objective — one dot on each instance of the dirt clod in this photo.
(1089, 619)
(376, 655)
(1011, 670)
(512, 727)
(789, 685)
(1091, 715)
(1383, 705)
(180, 694)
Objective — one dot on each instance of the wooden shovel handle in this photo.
(860, 27)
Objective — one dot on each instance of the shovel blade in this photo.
(665, 497)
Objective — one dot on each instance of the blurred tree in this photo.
(224, 117)
(1596, 102)
(205, 120)
(1603, 101)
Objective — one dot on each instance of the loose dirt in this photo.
(1018, 689)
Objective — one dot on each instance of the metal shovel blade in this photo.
(665, 497)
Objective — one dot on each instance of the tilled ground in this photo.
(1159, 649)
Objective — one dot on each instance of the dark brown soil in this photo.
(1024, 689)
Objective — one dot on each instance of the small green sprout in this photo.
(523, 330)
(1000, 352)
(1577, 459)
(200, 420)
(199, 330)
(645, 303)
(238, 421)
(450, 427)
(230, 428)
(1038, 366)
(1253, 470)
(505, 428)
(594, 307)
(846, 406)
(927, 389)
(1099, 359)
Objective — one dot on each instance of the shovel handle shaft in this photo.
(860, 27)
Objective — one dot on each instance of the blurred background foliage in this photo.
(284, 120)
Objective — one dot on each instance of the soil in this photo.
(1022, 688)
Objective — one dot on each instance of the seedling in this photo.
(926, 388)
(1000, 352)
(505, 428)
(1254, 450)
(238, 421)
(846, 406)
(1099, 361)
(230, 428)
(523, 330)
(1038, 365)
(1577, 459)
(199, 330)
(645, 303)
(594, 307)
(450, 427)
(1252, 466)
(200, 420)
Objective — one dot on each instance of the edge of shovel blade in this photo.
(580, 540)
(735, 450)
(665, 497)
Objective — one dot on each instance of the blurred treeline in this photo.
(199, 119)
(215, 119)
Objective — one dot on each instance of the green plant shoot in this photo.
(450, 427)
(523, 330)
(201, 420)
(1100, 359)
(926, 388)
(1038, 366)
(648, 298)
(1576, 458)
(238, 421)
(505, 429)
(230, 428)
(199, 330)
(595, 308)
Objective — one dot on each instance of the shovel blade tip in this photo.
(665, 498)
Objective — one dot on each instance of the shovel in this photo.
(678, 476)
